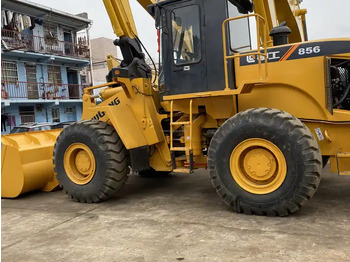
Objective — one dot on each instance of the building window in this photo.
(55, 115)
(9, 72)
(27, 114)
(70, 109)
(54, 73)
(31, 72)
(32, 85)
(83, 79)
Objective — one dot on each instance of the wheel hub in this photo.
(258, 166)
(79, 163)
(83, 162)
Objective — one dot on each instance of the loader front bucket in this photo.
(26, 162)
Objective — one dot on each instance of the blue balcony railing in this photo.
(46, 91)
(13, 40)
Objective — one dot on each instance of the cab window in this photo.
(239, 30)
(186, 35)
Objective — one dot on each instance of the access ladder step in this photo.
(343, 155)
(182, 170)
(181, 123)
(180, 149)
(343, 163)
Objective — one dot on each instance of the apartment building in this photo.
(45, 54)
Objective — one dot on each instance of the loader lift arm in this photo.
(123, 24)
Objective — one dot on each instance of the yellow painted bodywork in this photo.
(26, 162)
(136, 117)
(336, 142)
(301, 93)
(121, 18)
(131, 109)
(295, 86)
(112, 62)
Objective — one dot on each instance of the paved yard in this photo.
(179, 218)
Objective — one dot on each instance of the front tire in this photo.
(264, 162)
(90, 161)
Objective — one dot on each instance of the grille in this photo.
(340, 75)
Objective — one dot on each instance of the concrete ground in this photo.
(179, 218)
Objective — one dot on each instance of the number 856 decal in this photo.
(309, 50)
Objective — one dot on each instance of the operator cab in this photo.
(191, 43)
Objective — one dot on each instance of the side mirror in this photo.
(150, 9)
(243, 6)
(154, 11)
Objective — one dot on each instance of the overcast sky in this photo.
(325, 18)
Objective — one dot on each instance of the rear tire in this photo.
(90, 161)
(293, 139)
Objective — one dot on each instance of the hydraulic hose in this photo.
(343, 98)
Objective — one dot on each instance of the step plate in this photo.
(182, 170)
(341, 164)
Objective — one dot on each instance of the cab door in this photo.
(184, 64)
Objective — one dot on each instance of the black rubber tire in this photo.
(112, 160)
(291, 136)
(325, 160)
(153, 173)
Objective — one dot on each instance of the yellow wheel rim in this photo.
(258, 166)
(79, 163)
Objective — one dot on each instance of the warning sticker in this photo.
(319, 134)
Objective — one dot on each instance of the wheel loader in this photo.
(239, 91)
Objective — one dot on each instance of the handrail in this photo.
(257, 53)
(88, 89)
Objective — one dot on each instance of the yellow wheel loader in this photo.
(239, 91)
